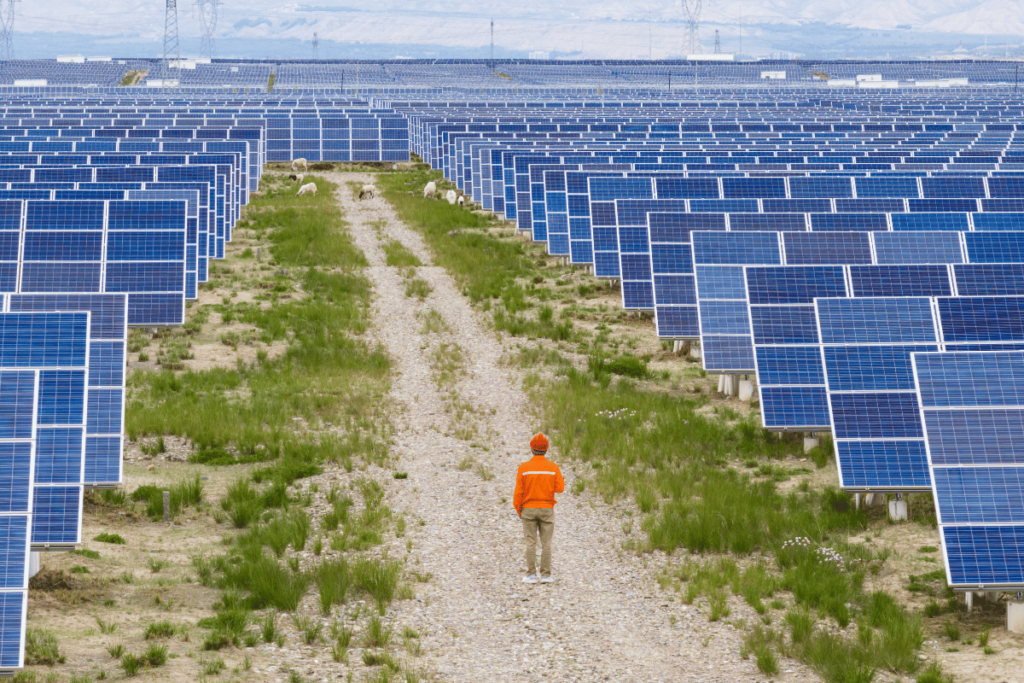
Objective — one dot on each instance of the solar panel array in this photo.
(860, 252)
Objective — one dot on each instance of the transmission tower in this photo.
(492, 44)
(718, 42)
(691, 8)
(316, 46)
(7, 29)
(171, 50)
(207, 10)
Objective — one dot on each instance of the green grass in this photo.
(41, 647)
(160, 629)
(186, 493)
(332, 579)
(398, 255)
(415, 287)
(379, 578)
(679, 458)
(115, 539)
(376, 634)
(328, 373)
(483, 265)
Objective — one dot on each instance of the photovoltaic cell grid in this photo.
(134, 247)
(866, 357)
(108, 341)
(721, 288)
(865, 352)
(19, 398)
(972, 413)
(57, 346)
(792, 378)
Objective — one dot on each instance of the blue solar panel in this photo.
(880, 281)
(974, 424)
(867, 345)
(997, 279)
(108, 340)
(55, 346)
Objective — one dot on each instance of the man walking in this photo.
(537, 482)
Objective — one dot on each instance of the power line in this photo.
(7, 29)
(171, 49)
(207, 10)
(691, 9)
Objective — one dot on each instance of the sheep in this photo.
(299, 165)
(430, 189)
(291, 177)
(452, 197)
(308, 188)
(367, 192)
(462, 200)
(299, 178)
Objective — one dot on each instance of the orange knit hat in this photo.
(539, 443)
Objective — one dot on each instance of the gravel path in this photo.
(604, 618)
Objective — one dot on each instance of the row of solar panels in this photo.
(487, 170)
(430, 130)
(468, 148)
(100, 240)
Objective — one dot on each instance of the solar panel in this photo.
(866, 346)
(972, 411)
(108, 340)
(56, 346)
(18, 398)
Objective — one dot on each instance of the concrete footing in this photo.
(695, 352)
(33, 564)
(898, 510)
(873, 499)
(732, 385)
(990, 596)
(1015, 616)
(810, 443)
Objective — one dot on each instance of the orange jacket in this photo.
(537, 482)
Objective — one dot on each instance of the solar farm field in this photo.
(273, 342)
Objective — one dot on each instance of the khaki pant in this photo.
(538, 521)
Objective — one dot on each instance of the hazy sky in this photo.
(603, 28)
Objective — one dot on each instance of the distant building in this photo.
(540, 54)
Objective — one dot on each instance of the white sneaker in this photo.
(546, 579)
(532, 578)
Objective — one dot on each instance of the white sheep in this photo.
(430, 189)
(452, 197)
(299, 178)
(462, 200)
(367, 192)
(299, 165)
(308, 188)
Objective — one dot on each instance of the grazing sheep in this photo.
(291, 177)
(367, 192)
(452, 197)
(299, 178)
(430, 189)
(462, 200)
(299, 165)
(308, 188)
